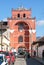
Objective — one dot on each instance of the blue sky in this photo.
(37, 7)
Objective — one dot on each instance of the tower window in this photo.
(21, 26)
(24, 15)
(18, 15)
(20, 39)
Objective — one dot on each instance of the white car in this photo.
(3, 60)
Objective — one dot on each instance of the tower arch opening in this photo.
(21, 50)
(23, 30)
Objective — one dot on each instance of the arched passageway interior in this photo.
(21, 49)
(24, 37)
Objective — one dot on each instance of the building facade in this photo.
(4, 40)
(39, 47)
(22, 29)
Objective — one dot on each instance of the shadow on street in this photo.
(28, 61)
(31, 61)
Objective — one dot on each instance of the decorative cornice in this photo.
(21, 9)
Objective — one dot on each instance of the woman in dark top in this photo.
(43, 54)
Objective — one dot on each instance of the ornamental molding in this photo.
(32, 31)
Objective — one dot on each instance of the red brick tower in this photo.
(22, 29)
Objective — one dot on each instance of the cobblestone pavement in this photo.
(30, 61)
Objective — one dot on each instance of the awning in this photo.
(38, 42)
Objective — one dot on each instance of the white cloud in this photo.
(5, 19)
(40, 23)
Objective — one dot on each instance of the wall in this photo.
(40, 49)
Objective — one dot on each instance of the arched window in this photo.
(18, 15)
(21, 26)
(20, 39)
(24, 15)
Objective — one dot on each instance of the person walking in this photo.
(34, 53)
(43, 54)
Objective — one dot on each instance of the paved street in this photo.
(30, 61)
(20, 61)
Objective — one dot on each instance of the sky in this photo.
(37, 7)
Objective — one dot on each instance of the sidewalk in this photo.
(39, 60)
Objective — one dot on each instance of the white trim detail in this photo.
(11, 30)
(32, 31)
(20, 30)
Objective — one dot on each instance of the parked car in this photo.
(8, 57)
(3, 60)
(12, 57)
(21, 54)
(1, 52)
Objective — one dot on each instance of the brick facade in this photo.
(22, 28)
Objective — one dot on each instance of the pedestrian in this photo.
(43, 54)
(34, 53)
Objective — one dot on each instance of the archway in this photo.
(24, 28)
(21, 49)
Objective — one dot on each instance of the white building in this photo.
(39, 46)
(4, 36)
